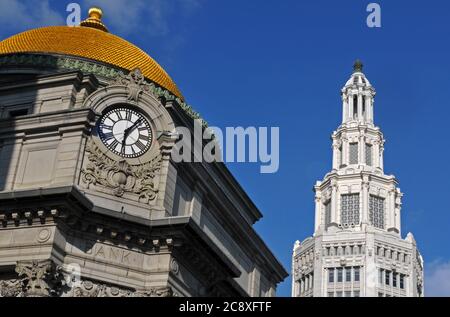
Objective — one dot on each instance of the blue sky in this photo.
(282, 63)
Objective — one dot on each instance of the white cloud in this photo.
(18, 15)
(149, 17)
(437, 279)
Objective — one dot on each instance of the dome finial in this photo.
(95, 13)
(358, 66)
(95, 19)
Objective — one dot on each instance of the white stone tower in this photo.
(357, 248)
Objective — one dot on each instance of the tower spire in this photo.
(358, 66)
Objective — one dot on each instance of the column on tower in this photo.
(376, 154)
(362, 148)
(318, 219)
(350, 107)
(344, 108)
(398, 207)
(381, 156)
(336, 154)
(390, 210)
(370, 109)
(345, 150)
(365, 200)
(334, 207)
(360, 112)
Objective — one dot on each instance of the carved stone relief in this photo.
(119, 177)
(45, 279)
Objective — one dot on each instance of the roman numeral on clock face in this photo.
(140, 145)
(125, 132)
(108, 136)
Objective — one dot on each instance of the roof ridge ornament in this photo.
(95, 20)
(358, 66)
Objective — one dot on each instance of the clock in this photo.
(125, 132)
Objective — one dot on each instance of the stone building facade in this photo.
(91, 203)
(357, 248)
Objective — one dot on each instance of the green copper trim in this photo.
(97, 69)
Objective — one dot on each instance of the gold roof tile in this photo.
(89, 42)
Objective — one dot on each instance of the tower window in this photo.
(339, 275)
(350, 209)
(330, 275)
(369, 154)
(376, 211)
(355, 107)
(387, 278)
(348, 274)
(356, 274)
(402, 281)
(327, 213)
(18, 113)
(353, 153)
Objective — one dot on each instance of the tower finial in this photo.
(358, 66)
(95, 19)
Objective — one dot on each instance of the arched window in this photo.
(355, 107)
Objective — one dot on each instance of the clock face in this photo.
(125, 132)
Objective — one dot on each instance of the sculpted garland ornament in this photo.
(120, 176)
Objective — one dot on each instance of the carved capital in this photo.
(38, 278)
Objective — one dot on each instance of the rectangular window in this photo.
(341, 157)
(330, 294)
(387, 279)
(348, 294)
(348, 274)
(353, 157)
(356, 274)
(394, 279)
(350, 209)
(339, 275)
(402, 281)
(376, 211)
(18, 113)
(339, 294)
(380, 276)
(380, 295)
(369, 154)
(327, 213)
(330, 275)
(355, 293)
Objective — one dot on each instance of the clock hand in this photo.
(131, 129)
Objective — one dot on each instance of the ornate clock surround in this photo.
(135, 96)
(138, 178)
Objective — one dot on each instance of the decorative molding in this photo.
(101, 70)
(11, 288)
(94, 289)
(135, 83)
(119, 176)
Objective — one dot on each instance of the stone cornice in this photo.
(69, 63)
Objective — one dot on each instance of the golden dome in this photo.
(90, 40)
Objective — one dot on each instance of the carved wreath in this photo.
(121, 177)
